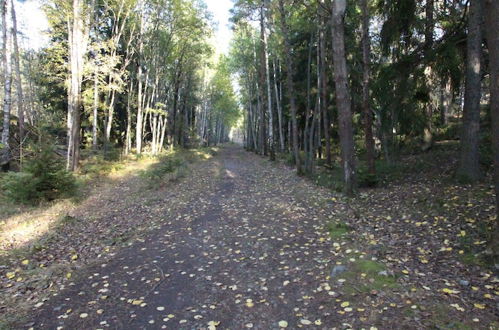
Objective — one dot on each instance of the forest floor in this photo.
(241, 242)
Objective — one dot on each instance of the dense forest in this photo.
(333, 88)
(350, 82)
(133, 75)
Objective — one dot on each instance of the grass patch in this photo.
(338, 229)
(332, 178)
(364, 276)
(439, 319)
(173, 165)
(97, 166)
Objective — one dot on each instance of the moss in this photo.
(338, 229)
(369, 266)
(440, 319)
(364, 276)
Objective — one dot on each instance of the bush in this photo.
(168, 169)
(20, 187)
(43, 178)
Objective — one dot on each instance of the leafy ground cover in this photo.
(241, 242)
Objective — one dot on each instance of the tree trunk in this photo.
(138, 128)
(492, 34)
(343, 101)
(366, 106)
(307, 132)
(95, 108)
(269, 88)
(110, 116)
(469, 167)
(291, 87)
(5, 155)
(261, 86)
(279, 109)
(323, 89)
(429, 74)
(128, 138)
(77, 47)
(19, 84)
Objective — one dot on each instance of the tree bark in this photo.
(469, 165)
(77, 49)
(128, 137)
(279, 109)
(95, 108)
(323, 89)
(343, 101)
(366, 106)
(269, 88)
(261, 87)
(291, 88)
(19, 83)
(5, 155)
(138, 128)
(492, 34)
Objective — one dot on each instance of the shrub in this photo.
(168, 169)
(43, 178)
(20, 187)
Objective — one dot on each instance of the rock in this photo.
(464, 282)
(338, 269)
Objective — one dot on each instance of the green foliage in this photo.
(367, 179)
(223, 97)
(43, 178)
(170, 167)
(338, 229)
(98, 165)
(375, 273)
(20, 187)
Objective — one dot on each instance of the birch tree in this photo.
(7, 73)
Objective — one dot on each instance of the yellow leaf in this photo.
(10, 275)
(479, 306)
(449, 291)
(318, 322)
(283, 324)
(68, 276)
(74, 257)
(456, 306)
(345, 304)
(136, 302)
(25, 262)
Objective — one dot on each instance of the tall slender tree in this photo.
(469, 166)
(78, 39)
(343, 101)
(19, 83)
(492, 34)
(366, 104)
(7, 73)
(290, 84)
